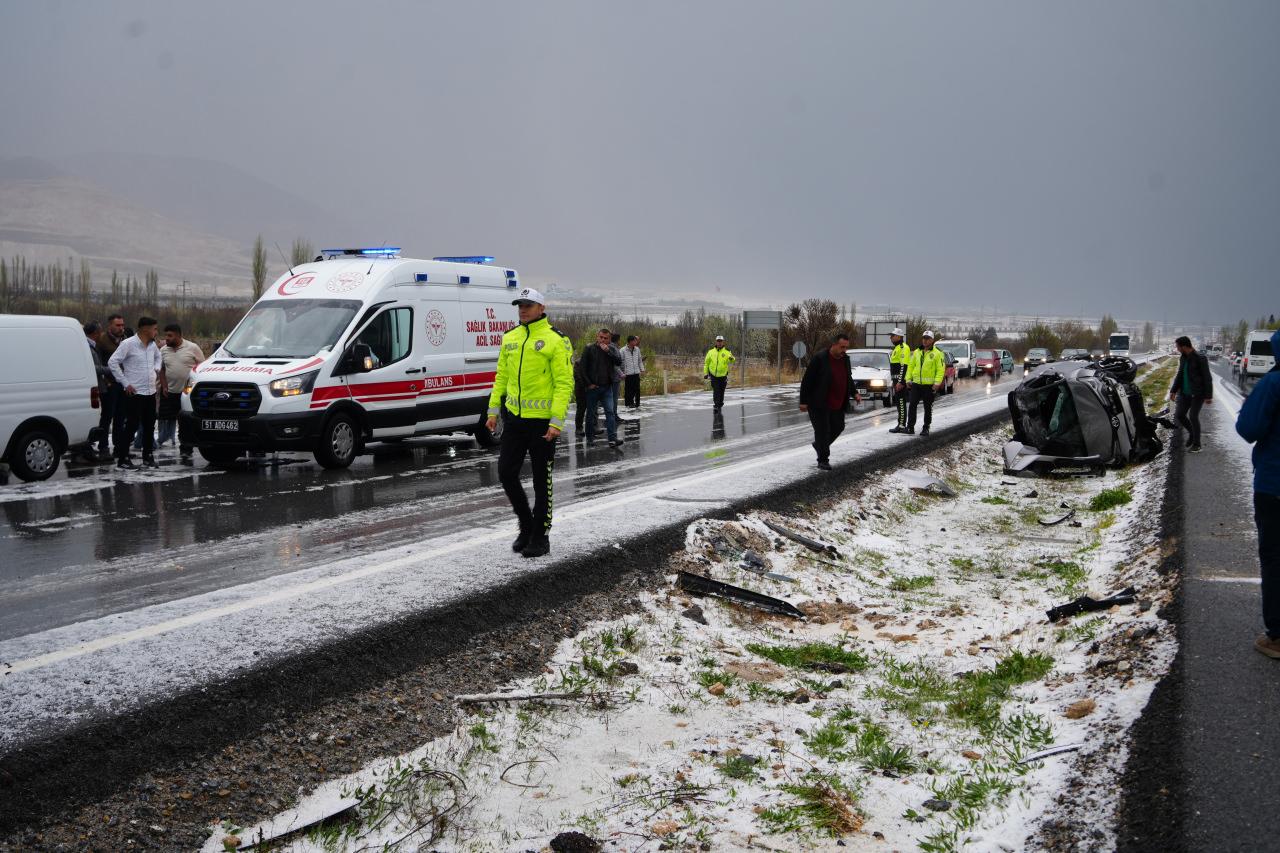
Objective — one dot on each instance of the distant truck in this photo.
(1118, 344)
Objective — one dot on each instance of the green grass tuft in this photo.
(903, 583)
(996, 499)
(1108, 498)
(820, 656)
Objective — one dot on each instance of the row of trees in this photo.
(27, 288)
(1233, 338)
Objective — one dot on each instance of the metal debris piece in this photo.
(699, 585)
(811, 544)
(292, 823)
(922, 482)
(1085, 604)
(1070, 514)
(1053, 750)
(477, 698)
(754, 563)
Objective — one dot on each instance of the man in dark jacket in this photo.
(825, 392)
(1192, 388)
(1259, 423)
(599, 363)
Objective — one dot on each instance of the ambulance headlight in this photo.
(191, 383)
(292, 386)
(876, 383)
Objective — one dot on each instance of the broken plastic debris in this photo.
(1053, 750)
(1086, 603)
(1070, 514)
(699, 585)
(811, 544)
(293, 823)
(754, 563)
(920, 481)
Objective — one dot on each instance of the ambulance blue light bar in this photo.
(377, 251)
(465, 259)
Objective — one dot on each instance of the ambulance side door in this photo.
(389, 390)
(440, 342)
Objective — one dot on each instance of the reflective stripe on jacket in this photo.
(718, 361)
(535, 373)
(926, 366)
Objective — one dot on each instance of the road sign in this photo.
(762, 319)
(798, 349)
(878, 332)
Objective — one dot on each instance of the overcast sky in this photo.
(1059, 157)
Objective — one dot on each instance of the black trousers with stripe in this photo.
(523, 437)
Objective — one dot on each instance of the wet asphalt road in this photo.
(94, 541)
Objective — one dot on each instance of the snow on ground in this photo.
(894, 717)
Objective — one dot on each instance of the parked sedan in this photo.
(988, 362)
(871, 375)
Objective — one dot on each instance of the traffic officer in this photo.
(535, 376)
(925, 369)
(898, 375)
(716, 367)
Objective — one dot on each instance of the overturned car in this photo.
(1078, 415)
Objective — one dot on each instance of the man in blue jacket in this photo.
(1259, 424)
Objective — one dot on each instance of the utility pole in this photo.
(184, 297)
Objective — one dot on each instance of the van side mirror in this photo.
(363, 359)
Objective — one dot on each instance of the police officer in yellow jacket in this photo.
(898, 375)
(925, 369)
(535, 376)
(716, 367)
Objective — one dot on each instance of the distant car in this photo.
(1036, 356)
(1006, 360)
(988, 362)
(1073, 353)
(872, 378)
(949, 373)
(1236, 358)
(1258, 357)
(1097, 354)
(964, 353)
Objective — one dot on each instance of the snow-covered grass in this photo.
(898, 715)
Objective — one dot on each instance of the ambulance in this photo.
(360, 346)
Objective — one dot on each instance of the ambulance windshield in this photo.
(291, 328)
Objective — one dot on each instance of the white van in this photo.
(361, 346)
(965, 353)
(1258, 357)
(48, 393)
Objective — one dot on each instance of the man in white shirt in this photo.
(632, 367)
(179, 357)
(136, 365)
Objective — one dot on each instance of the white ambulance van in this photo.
(361, 346)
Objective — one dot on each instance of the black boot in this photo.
(924, 431)
(539, 546)
(522, 541)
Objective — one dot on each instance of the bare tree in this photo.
(812, 321)
(303, 252)
(259, 268)
(86, 290)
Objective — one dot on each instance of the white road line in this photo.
(698, 479)
(1230, 579)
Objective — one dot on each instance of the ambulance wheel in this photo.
(338, 443)
(35, 456)
(487, 439)
(223, 457)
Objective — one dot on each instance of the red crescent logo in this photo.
(295, 283)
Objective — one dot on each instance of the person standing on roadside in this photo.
(826, 393)
(925, 371)
(599, 362)
(92, 332)
(1192, 388)
(111, 421)
(136, 366)
(531, 392)
(618, 374)
(898, 375)
(1259, 424)
(179, 356)
(716, 367)
(632, 369)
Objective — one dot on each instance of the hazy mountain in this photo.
(209, 196)
(50, 218)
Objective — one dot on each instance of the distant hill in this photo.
(208, 196)
(49, 219)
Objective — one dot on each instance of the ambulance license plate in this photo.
(220, 426)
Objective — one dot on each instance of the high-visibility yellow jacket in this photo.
(535, 373)
(898, 361)
(718, 361)
(926, 366)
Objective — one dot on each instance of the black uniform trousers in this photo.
(631, 388)
(524, 437)
(718, 384)
(140, 414)
(920, 394)
(900, 399)
(827, 426)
